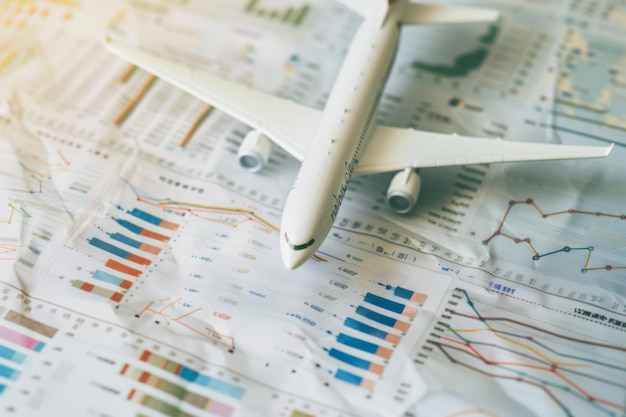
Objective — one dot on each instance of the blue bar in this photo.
(362, 327)
(109, 248)
(129, 226)
(403, 293)
(211, 383)
(377, 317)
(348, 377)
(384, 303)
(11, 355)
(140, 214)
(357, 343)
(106, 277)
(2, 387)
(126, 240)
(9, 373)
(347, 358)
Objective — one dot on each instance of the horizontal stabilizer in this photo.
(421, 13)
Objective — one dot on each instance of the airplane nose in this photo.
(293, 259)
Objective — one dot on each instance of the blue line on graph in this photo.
(563, 249)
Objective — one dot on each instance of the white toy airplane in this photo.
(343, 139)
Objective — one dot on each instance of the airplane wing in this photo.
(288, 124)
(394, 149)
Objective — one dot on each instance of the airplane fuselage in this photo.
(346, 125)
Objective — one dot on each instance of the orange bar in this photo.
(150, 248)
(134, 101)
(168, 225)
(138, 259)
(208, 109)
(117, 297)
(154, 235)
(403, 326)
(126, 284)
(376, 368)
(409, 311)
(120, 267)
(384, 352)
(419, 298)
(393, 338)
(130, 69)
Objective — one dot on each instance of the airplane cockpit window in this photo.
(301, 246)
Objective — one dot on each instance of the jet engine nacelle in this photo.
(254, 151)
(403, 190)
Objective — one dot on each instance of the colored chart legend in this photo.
(191, 375)
(178, 391)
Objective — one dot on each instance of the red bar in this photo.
(138, 259)
(143, 378)
(145, 356)
(154, 235)
(117, 297)
(124, 269)
(87, 287)
(150, 248)
(168, 225)
(124, 369)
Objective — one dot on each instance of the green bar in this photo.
(300, 18)
(250, 6)
(25, 262)
(287, 14)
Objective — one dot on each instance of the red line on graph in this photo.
(530, 202)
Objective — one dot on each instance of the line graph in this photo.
(576, 372)
(565, 249)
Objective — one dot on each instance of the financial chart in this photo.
(140, 266)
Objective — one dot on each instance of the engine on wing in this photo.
(254, 151)
(403, 190)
